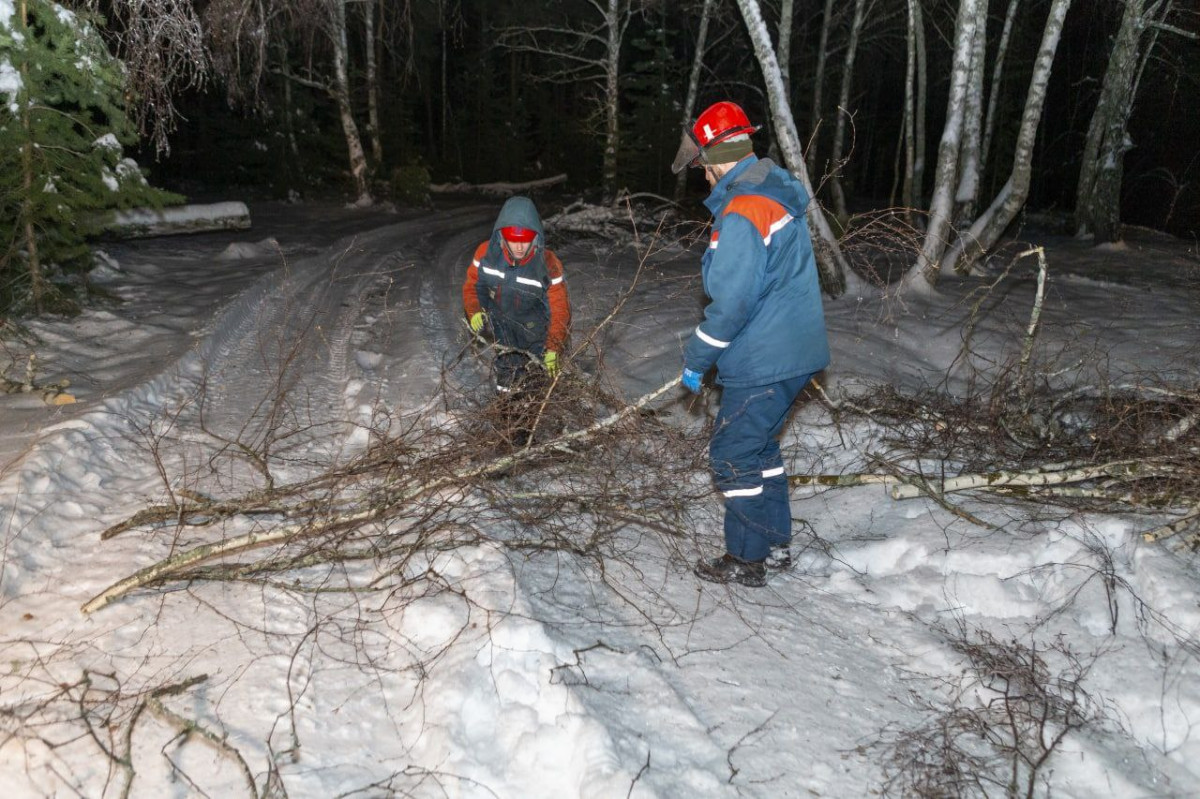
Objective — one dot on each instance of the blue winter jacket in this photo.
(765, 322)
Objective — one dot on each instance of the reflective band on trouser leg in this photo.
(744, 525)
(775, 495)
(743, 492)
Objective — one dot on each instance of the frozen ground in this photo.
(533, 678)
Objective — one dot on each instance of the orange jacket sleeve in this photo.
(470, 296)
(560, 305)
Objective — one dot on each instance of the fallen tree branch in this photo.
(1043, 476)
(1174, 528)
(379, 510)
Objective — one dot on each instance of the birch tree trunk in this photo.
(836, 275)
(922, 95)
(839, 133)
(819, 85)
(907, 199)
(693, 88)
(923, 275)
(341, 94)
(615, 30)
(1097, 197)
(990, 225)
(373, 132)
(989, 125)
(785, 46)
(967, 196)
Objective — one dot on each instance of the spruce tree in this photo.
(62, 128)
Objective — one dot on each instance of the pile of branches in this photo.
(1118, 448)
(567, 467)
(621, 221)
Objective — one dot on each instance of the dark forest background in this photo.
(457, 101)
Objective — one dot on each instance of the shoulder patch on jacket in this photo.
(767, 215)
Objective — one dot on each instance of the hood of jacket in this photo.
(519, 211)
(763, 177)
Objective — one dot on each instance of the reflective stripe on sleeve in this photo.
(709, 340)
(555, 281)
(493, 272)
(475, 262)
(776, 472)
(776, 227)
(743, 492)
(528, 281)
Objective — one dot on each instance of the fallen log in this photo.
(498, 189)
(135, 223)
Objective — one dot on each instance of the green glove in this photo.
(550, 360)
(477, 320)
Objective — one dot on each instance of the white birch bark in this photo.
(989, 125)
(910, 112)
(373, 132)
(341, 94)
(922, 96)
(991, 224)
(839, 132)
(615, 31)
(784, 50)
(1097, 197)
(693, 87)
(967, 195)
(819, 86)
(836, 276)
(923, 275)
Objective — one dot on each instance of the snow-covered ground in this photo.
(531, 677)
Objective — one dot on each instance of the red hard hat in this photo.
(518, 234)
(721, 121)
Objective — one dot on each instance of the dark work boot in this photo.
(730, 569)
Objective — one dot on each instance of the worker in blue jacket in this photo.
(764, 330)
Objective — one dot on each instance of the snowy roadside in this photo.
(537, 676)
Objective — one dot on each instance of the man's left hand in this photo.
(691, 380)
(550, 361)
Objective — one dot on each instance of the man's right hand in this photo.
(691, 380)
(477, 321)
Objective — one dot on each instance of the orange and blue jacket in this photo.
(765, 322)
(526, 302)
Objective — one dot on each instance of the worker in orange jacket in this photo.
(515, 286)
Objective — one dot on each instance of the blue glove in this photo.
(691, 380)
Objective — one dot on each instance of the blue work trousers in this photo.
(748, 467)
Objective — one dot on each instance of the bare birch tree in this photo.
(1098, 194)
(836, 275)
(819, 83)
(161, 44)
(370, 45)
(243, 32)
(589, 54)
(784, 50)
(924, 274)
(693, 87)
(989, 125)
(967, 196)
(843, 112)
(991, 224)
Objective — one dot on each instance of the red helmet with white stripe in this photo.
(718, 123)
(721, 121)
